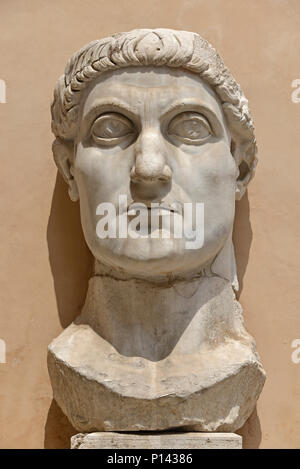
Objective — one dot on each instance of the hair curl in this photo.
(158, 47)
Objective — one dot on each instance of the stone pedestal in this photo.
(113, 440)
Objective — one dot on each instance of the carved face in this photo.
(154, 134)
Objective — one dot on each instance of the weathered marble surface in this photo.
(157, 117)
(203, 375)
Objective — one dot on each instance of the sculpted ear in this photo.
(243, 144)
(63, 157)
(244, 153)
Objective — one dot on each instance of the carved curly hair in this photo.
(158, 47)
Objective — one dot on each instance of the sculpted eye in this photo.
(111, 129)
(190, 127)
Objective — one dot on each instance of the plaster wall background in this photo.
(44, 262)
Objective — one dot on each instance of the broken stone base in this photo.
(113, 440)
(211, 390)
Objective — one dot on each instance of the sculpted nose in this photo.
(150, 163)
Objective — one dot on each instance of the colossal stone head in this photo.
(154, 115)
(152, 121)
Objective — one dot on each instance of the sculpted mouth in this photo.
(161, 208)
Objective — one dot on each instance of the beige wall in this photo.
(44, 261)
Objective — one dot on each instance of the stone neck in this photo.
(141, 318)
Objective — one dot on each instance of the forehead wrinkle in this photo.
(133, 99)
(116, 87)
(151, 101)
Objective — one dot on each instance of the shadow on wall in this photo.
(70, 259)
(71, 264)
(58, 430)
(251, 432)
(242, 238)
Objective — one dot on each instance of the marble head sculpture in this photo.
(155, 116)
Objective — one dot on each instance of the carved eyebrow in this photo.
(108, 105)
(189, 104)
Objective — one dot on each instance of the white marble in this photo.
(156, 117)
